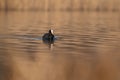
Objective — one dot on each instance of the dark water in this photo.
(87, 48)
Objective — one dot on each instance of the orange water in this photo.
(88, 46)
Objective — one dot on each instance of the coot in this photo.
(48, 36)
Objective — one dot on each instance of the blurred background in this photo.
(58, 5)
(87, 45)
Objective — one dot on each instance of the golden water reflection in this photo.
(87, 48)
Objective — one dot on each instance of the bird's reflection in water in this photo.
(50, 43)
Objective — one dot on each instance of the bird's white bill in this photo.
(52, 31)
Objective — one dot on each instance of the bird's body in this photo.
(48, 36)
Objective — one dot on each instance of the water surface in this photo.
(87, 48)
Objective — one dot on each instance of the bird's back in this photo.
(48, 36)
